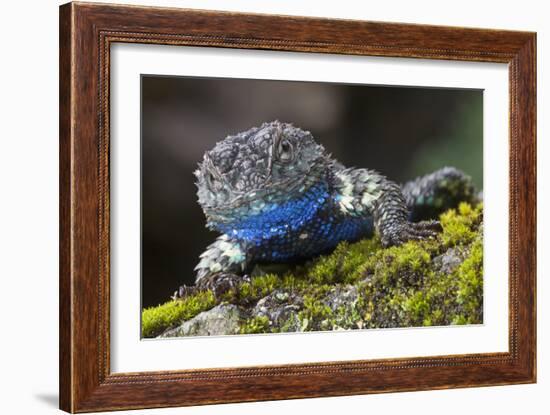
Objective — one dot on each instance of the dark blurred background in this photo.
(402, 132)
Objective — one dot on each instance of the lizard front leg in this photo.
(222, 265)
(224, 255)
(363, 192)
(220, 268)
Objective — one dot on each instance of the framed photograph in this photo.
(258, 207)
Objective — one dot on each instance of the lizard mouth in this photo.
(256, 200)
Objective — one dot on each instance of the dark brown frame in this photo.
(86, 33)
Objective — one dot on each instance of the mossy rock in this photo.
(358, 286)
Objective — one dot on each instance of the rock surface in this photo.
(222, 319)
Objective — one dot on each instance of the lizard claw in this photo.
(427, 229)
(184, 291)
(220, 283)
(412, 231)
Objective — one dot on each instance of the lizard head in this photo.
(264, 165)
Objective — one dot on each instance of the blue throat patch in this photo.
(297, 229)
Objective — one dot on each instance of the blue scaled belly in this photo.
(297, 229)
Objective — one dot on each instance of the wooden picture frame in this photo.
(86, 33)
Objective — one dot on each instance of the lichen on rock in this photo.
(360, 285)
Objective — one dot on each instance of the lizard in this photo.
(276, 195)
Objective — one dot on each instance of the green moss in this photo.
(349, 316)
(460, 225)
(291, 324)
(345, 264)
(470, 283)
(155, 320)
(400, 286)
(316, 315)
(248, 293)
(258, 324)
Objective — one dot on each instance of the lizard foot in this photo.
(412, 231)
(220, 283)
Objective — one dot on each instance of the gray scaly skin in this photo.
(276, 195)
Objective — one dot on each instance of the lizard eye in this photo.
(285, 150)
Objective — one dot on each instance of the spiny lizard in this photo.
(276, 195)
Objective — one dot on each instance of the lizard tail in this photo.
(430, 195)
